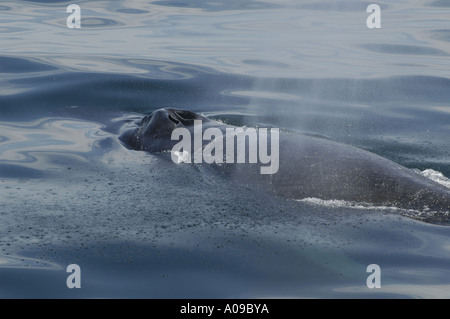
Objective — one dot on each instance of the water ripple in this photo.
(100, 23)
(441, 34)
(440, 3)
(131, 11)
(403, 49)
(218, 5)
(18, 65)
(31, 145)
(342, 6)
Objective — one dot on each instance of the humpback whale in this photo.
(309, 166)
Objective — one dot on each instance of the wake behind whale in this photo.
(309, 167)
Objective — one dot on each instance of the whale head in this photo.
(153, 133)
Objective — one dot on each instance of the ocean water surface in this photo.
(140, 226)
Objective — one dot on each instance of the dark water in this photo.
(141, 226)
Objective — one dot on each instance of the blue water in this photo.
(140, 226)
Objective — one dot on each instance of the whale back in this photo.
(324, 169)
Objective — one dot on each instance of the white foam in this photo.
(337, 203)
(436, 176)
(424, 214)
